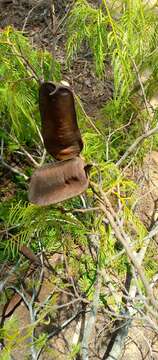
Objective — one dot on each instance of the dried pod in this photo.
(60, 132)
(57, 182)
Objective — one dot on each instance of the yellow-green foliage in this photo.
(21, 67)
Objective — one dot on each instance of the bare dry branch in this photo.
(91, 319)
(15, 171)
(136, 143)
(127, 244)
(142, 88)
(87, 117)
(28, 15)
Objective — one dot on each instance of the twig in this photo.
(37, 288)
(122, 333)
(46, 301)
(125, 241)
(136, 143)
(59, 329)
(87, 117)
(97, 208)
(115, 131)
(72, 302)
(8, 166)
(30, 304)
(91, 319)
(4, 281)
(40, 135)
(43, 157)
(117, 341)
(132, 257)
(24, 62)
(64, 325)
(28, 15)
(34, 162)
(55, 26)
(54, 33)
(32, 307)
(15, 171)
(142, 88)
(21, 294)
(60, 22)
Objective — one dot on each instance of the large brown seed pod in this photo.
(60, 132)
(57, 182)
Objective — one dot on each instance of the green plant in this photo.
(21, 70)
(117, 32)
(78, 232)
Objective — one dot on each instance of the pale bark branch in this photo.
(91, 319)
(125, 241)
(136, 143)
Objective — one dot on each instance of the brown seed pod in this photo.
(60, 132)
(57, 182)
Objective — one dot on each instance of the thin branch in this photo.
(54, 33)
(115, 131)
(29, 156)
(97, 208)
(35, 163)
(136, 143)
(15, 171)
(40, 135)
(145, 243)
(29, 65)
(87, 117)
(90, 322)
(21, 294)
(8, 275)
(121, 335)
(72, 302)
(55, 26)
(124, 240)
(117, 341)
(28, 15)
(25, 62)
(37, 288)
(60, 328)
(43, 157)
(64, 325)
(142, 87)
(132, 257)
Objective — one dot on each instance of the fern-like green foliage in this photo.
(88, 24)
(124, 35)
(21, 67)
(10, 332)
(128, 42)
